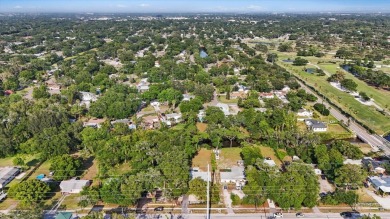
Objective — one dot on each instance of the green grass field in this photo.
(366, 114)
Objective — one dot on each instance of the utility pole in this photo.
(208, 192)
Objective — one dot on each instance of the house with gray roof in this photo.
(381, 184)
(315, 125)
(235, 175)
(7, 174)
(195, 172)
(73, 186)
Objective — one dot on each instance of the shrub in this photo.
(321, 108)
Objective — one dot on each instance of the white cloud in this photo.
(121, 6)
(144, 5)
(18, 7)
(254, 7)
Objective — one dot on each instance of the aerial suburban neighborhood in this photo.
(193, 115)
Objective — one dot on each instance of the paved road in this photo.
(285, 215)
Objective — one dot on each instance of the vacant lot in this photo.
(202, 159)
(229, 157)
(201, 126)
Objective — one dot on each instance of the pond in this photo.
(203, 54)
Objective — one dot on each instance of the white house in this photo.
(188, 97)
(201, 115)
(173, 117)
(73, 186)
(87, 98)
(304, 113)
(143, 85)
(224, 107)
(316, 126)
(270, 162)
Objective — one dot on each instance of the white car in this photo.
(278, 214)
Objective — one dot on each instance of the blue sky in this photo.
(161, 6)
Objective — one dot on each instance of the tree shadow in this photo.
(33, 162)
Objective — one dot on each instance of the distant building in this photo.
(316, 126)
(188, 97)
(73, 186)
(265, 95)
(201, 115)
(128, 122)
(143, 85)
(270, 162)
(87, 98)
(7, 174)
(224, 107)
(94, 123)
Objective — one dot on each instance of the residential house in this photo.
(87, 98)
(143, 85)
(195, 172)
(238, 94)
(261, 109)
(7, 174)
(270, 162)
(188, 97)
(224, 107)
(316, 126)
(172, 118)
(64, 215)
(304, 113)
(73, 186)
(375, 166)
(235, 175)
(125, 121)
(94, 123)
(265, 95)
(201, 115)
(381, 184)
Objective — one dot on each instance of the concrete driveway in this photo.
(325, 186)
(228, 201)
(383, 201)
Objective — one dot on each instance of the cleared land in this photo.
(229, 157)
(202, 159)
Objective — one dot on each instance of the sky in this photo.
(197, 6)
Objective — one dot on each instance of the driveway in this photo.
(383, 201)
(228, 201)
(325, 186)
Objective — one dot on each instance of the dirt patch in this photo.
(202, 159)
(201, 126)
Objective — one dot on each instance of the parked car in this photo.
(278, 214)
(323, 177)
(160, 208)
(299, 214)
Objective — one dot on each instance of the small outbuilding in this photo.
(73, 186)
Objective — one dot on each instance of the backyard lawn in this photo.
(229, 157)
